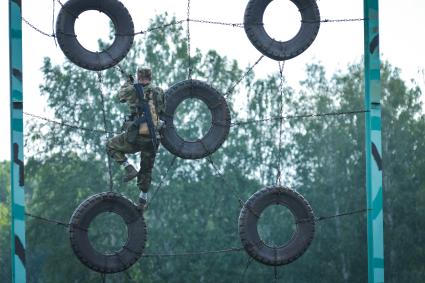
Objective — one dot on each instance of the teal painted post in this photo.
(375, 224)
(17, 149)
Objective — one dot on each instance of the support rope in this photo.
(279, 154)
(161, 182)
(102, 98)
(250, 259)
(229, 250)
(221, 175)
(307, 115)
(189, 60)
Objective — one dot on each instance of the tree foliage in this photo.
(5, 264)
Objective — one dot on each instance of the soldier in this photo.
(139, 129)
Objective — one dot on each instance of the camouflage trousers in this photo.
(118, 146)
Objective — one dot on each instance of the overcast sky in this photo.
(337, 44)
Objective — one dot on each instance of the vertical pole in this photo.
(17, 156)
(375, 225)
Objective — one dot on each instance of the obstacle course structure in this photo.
(97, 62)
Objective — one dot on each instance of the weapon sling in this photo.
(144, 114)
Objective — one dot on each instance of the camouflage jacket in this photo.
(156, 102)
(153, 94)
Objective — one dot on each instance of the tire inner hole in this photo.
(95, 31)
(282, 20)
(276, 226)
(192, 119)
(108, 233)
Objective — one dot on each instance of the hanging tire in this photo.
(300, 240)
(96, 61)
(220, 116)
(278, 50)
(136, 228)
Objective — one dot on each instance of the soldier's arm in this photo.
(125, 91)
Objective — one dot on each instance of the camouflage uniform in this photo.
(119, 145)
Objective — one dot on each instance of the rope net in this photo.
(107, 131)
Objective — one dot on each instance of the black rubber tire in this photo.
(281, 50)
(80, 222)
(96, 61)
(299, 242)
(220, 116)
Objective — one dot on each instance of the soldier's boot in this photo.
(131, 173)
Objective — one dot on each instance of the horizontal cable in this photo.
(314, 21)
(116, 34)
(238, 123)
(239, 25)
(308, 115)
(52, 221)
(159, 27)
(68, 125)
(192, 253)
(56, 222)
(321, 218)
(336, 20)
(37, 29)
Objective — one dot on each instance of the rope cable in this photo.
(53, 22)
(221, 175)
(279, 154)
(249, 70)
(307, 115)
(209, 252)
(316, 219)
(250, 259)
(63, 124)
(102, 99)
(52, 221)
(162, 27)
(161, 182)
(238, 123)
(189, 60)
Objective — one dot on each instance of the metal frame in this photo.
(372, 143)
(17, 156)
(373, 148)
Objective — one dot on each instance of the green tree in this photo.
(329, 154)
(5, 264)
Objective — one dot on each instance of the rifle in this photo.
(144, 116)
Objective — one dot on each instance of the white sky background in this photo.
(402, 40)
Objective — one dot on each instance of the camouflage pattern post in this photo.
(17, 184)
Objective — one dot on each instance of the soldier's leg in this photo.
(116, 149)
(147, 160)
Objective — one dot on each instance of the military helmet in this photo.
(144, 72)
